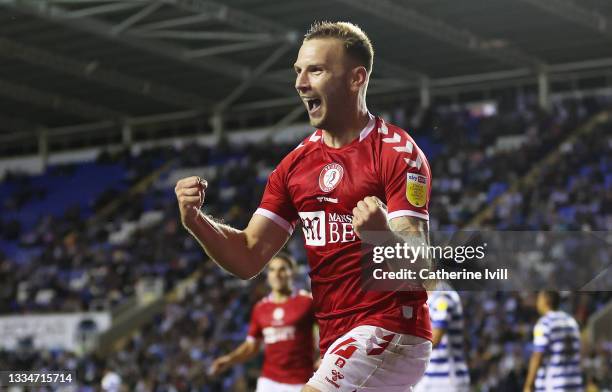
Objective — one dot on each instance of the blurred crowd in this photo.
(77, 260)
(74, 260)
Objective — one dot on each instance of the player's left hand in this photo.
(370, 215)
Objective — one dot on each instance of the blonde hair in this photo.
(355, 41)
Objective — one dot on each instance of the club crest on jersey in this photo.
(278, 314)
(330, 177)
(416, 189)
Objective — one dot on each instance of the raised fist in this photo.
(370, 215)
(190, 194)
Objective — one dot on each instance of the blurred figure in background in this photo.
(555, 362)
(285, 321)
(447, 370)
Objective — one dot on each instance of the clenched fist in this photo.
(370, 215)
(190, 194)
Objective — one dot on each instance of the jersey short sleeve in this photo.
(255, 330)
(540, 337)
(276, 203)
(440, 312)
(407, 178)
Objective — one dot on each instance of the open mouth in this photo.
(313, 104)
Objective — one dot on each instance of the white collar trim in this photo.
(368, 128)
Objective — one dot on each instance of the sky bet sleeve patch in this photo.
(416, 189)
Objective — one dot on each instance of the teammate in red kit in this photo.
(356, 174)
(284, 320)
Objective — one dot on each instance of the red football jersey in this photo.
(320, 185)
(286, 330)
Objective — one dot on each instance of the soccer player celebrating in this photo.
(555, 362)
(447, 370)
(355, 175)
(285, 321)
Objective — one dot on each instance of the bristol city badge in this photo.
(330, 177)
(278, 314)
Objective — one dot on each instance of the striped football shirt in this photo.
(557, 336)
(447, 369)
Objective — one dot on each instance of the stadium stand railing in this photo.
(138, 314)
(598, 329)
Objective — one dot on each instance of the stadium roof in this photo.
(105, 63)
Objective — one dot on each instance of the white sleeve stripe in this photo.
(399, 213)
(250, 338)
(276, 219)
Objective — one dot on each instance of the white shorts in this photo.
(442, 384)
(267, 385)
(372, 359)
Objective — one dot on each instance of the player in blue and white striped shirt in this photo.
(447, 370)
(555, 362)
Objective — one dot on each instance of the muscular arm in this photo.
(370, 224)
(534, 364)
(243, 253)
(414, 232)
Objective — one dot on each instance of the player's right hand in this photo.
(190, 194)
(220, 365)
